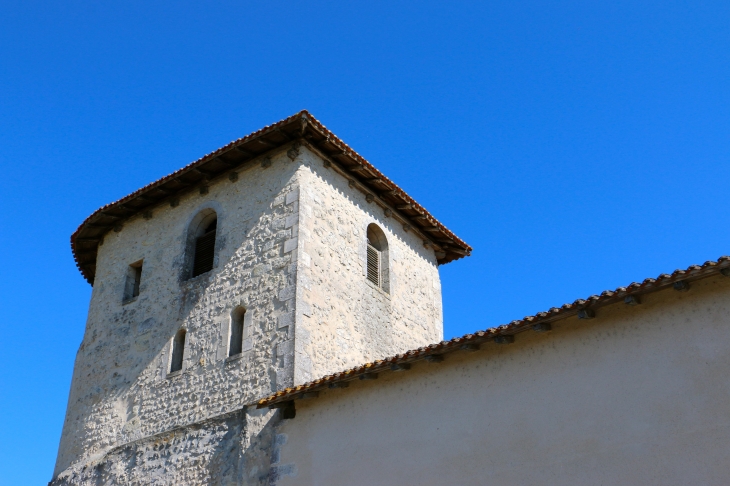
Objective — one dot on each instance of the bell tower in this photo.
(266, 264)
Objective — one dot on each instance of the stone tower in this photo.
(277, 259)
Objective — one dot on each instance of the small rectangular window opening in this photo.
(131, 284)
(373, 265)
(205, 251)
(235, 346)
(178, 352)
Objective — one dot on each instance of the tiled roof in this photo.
(631, 294)
(301, 128)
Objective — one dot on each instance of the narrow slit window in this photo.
(133, 279)
(205, 250)
(235, 345)
(178, 351)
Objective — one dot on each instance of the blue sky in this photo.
(577, 146)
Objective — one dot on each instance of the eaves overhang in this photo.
(297, 130)
(583, 308)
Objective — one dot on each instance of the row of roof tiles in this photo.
(299, 128)
(678, 279)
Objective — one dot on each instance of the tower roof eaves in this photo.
(301, 128)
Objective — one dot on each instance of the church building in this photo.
(271, 315)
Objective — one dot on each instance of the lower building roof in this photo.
(583, 308)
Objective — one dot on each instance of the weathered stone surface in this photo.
(346, 320)
(290, 248)
(120, 390)
(231, 449)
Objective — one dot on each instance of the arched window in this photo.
(201, 243)
(178, 351)
(235, 345)
(377, 258)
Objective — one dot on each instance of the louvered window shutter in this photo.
(373, 265)
(204, 253)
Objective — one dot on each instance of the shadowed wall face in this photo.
(235, 448)
(123, 389)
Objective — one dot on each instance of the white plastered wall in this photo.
(638, 395)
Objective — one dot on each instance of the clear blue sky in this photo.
(576, 146)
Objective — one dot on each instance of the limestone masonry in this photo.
(271, 315)
(290, 254)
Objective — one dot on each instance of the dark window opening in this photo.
(235, 345)
(178, 350)
(134, 277)
(205, 250)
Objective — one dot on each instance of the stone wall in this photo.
(121, 391)
(290, 249)
(343, 319)
(236, 448)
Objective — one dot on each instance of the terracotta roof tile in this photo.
(301, 128)
(607, 297)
